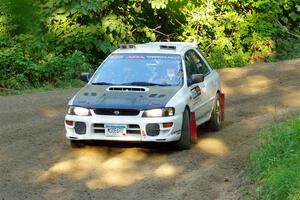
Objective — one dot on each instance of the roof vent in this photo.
(167, 47)
(127, 46)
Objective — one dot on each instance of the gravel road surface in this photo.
(36, 161)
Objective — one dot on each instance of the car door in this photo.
(209, 84)
(198, 90)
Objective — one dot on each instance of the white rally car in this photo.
(154, 92)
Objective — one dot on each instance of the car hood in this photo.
(96, 96)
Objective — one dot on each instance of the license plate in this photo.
(115, 130)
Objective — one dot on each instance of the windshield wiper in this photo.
(145, 84)
(102, 83)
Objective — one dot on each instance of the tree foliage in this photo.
(50, 41)
(233, 33)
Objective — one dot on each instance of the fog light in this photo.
(168, 125)
(152, 129)
(80, 128)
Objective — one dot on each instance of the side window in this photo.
(200, 64)
(191, 67)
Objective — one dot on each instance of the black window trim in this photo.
(185, 54)
(186, 71)
(201, 57)
(204, 59)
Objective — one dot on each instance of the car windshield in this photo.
(141, 70)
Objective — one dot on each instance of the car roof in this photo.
(157, 47)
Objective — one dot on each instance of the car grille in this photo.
(131, 128)
(118, 112)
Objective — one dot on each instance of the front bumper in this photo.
(92, 133)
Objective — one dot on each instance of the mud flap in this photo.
(193, 128)
(222, 102)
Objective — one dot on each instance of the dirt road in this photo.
(37, 163)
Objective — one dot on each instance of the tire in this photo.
(215, 121)
(75, 144)
(185, 138)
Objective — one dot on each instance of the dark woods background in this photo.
(49, 42)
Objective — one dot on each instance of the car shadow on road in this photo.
(203, 131)
(148, 146)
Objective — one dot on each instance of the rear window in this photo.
(140, 69)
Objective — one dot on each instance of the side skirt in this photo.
(203, 119)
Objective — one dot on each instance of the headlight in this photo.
(159, 112)
(78, 111)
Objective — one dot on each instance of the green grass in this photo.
(274, 166)
(75, 83)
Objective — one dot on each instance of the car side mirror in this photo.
(86, 76)
(197, 78)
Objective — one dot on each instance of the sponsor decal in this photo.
(196, 92)
(116, 57)
(135, 57)
(176, 132)
(198, 89)
(163, 57)
(146, 56)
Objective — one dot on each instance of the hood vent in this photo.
(127, 89)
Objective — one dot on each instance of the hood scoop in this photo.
(127, 89)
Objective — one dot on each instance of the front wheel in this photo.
(185, 139)
(216, 116)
